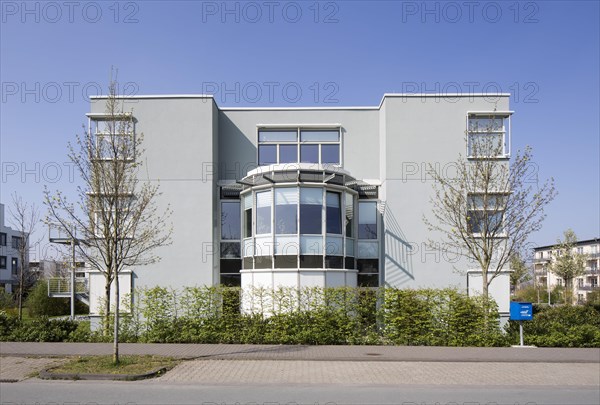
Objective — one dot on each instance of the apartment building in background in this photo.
(10, 240)
(589, 281)
(305, 196)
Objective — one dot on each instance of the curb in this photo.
(48, 375)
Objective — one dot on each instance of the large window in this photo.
(2, 239)
(367, 220)
(230, 220)
(17, 242)
(311, 209)
(230, 248)
(299, 145)
(2, 262)
(485, 214)
(263, 212)
(487, 136)
(286, 210)
(334, 213)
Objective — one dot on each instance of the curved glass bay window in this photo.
(301, 219)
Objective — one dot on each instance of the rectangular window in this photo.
(15, 265)
(367, 265)
(311, 209)
(311, 262)
(2, 239)
(349, 211)
(320, 146)
(334, 213)
(230, 220)
(486, 136)
(367, 220)
(2, 262)
(17, 242)
(286, 214)
(230, 250)
(229, 266)
(263, 212)
(247, 203)
(485, 213)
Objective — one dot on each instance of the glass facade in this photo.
(321, 146)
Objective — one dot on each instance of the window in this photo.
(2, 262)
(2, 239)
(230, 220)
(485, 213)
(247, 201)
(114, 138)
(349, 212)
(263, 212)
(17, 242)
(15, 265)
(299, 145)
(311, 208)
(334, 213)
(286, 213)
(486, 136)
(367, 220)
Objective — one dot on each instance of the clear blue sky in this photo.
(337, 53)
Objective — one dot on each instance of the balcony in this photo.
(541, 260)
(593, 255)
(592, 271)
(588, 287)
(60, 287)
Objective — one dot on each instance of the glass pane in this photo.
(330, 154)
(248, 247)
(319, 136)
(230, 249)
(263, 212)
(230, 265)
(288, 154)
(311, 207)
(247, 262)
(286, 262)
(334, 213)
(367, 265)
(277, 136)
(231, 280)
(263, 262)
(334, 262)
(231, 227)
(263, 246)
(367, 280)
(349, 212)
(309, 153)
(286, 215)
(349, 263)
(333, 246)
(367, 220)
(311, 262)
(482, 145)
(267, 154)
(486, 124)
(349, 247)
(311, 245)
(248, 223)
(286, 245)
(368, 249)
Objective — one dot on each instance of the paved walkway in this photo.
(300, 352)
(383, 365)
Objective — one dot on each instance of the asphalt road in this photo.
(152, 392)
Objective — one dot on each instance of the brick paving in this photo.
(19, 368)
(382, 373)
(372, 365)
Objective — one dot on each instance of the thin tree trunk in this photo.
(116, 325)
(106, 307)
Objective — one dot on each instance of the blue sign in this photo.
(521, 311)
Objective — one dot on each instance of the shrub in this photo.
(39, 304)
(564, 326)
(44, 330)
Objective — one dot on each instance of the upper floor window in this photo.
(2, 239)
(2, 262)
(488, 136)
(17, 242)
(485, 214)
(320, 146)
(114, 138)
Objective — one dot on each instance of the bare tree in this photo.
(116, 218)
(487, 210)
(567, 263)
(24, 219)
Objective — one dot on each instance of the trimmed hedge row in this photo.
(320, 316)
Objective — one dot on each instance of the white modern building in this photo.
(305, 196)
(10, 240)
(589, 281)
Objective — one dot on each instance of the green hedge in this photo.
(563, 326)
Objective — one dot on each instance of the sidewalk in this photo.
(312, 353)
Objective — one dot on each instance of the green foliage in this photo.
(530, 294)
(38, 330)
(563, 326)
(39, 304)
(6, 300)
(439, 318)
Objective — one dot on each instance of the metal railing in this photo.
(62, 286)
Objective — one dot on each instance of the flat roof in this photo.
(386, 95)
(578, 243)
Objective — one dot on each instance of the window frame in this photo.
(3, 236)
(505, 132)
(299, 129)
(498, 233)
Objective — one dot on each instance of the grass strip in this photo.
(129, 364)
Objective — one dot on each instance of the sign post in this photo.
(521, 311)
